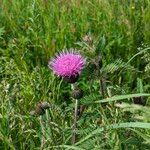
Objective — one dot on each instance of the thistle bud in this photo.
(40, 109)
(45, 105)
(77, 93)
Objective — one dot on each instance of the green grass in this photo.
(31, 32)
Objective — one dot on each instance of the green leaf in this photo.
(139, 53)
(139, 85)
(2, 30)
(131, 125)
(143, 135)
(118, 64)
(65, 146)
(116, 126)
(101, 45)
(119, 97)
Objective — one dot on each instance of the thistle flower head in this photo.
(67, 63)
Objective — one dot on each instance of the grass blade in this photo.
(116, 126)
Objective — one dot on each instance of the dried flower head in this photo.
(40, 109)
(88, 39)
(67, 64)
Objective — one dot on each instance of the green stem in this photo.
(74, 134)
(74, 137)
(43, 132)
(102, 87)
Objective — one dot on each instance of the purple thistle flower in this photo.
(67, 63)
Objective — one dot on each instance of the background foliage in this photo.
(32, 31)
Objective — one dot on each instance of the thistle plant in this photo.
(68, 65)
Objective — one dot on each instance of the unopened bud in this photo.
(40, 109)
(45, 105)
(77, 93)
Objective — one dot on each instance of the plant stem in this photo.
(102, 87)
(74, 136)
(43, 132)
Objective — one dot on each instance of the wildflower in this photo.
(68, 64)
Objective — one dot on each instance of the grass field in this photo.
(113, 36)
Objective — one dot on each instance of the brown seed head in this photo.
(40, 109)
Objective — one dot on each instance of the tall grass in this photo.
(31, 32)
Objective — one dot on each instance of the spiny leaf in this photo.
(117, 98)
(2, 30)
(100, 45)
(115, 66)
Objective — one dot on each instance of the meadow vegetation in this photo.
(113, 36)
